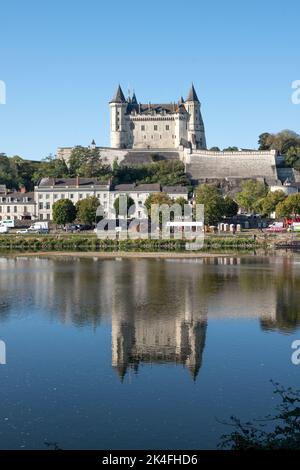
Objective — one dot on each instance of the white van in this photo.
(39, 227)
(7, 223)
(3, 229)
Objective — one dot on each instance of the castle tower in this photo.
(196, 132)
(118, 129)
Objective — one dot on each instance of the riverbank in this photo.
(90, 243)
(133, 254)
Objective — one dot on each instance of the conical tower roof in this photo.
(133, 99)
(192, 96)
(119, 96)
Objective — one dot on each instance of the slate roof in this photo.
(69, 182)
(19, 198)
(175, 189)
(155, 187)
(119, 96)
(158, 108)
(192, 96)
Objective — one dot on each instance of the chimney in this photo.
(77, 181)
(22, 189)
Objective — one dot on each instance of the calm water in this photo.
(142, 353)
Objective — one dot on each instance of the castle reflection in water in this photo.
(159, 309)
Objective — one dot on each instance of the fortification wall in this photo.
(204, 164)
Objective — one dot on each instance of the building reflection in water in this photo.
(159, 309)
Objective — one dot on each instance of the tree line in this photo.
(87, 162)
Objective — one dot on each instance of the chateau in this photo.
(175, 131)
(156, 126)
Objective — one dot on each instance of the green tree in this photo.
(64, 212)
(78, 157)
(230, 207)
(86, 210)
(265, 141)
(167, 173)
(281, 141)
(7, 176)
(290, 207)
(160, 199)
(231, 149)
(215, 149)
(292, 157)
(129, 203)
(267, 205)
(181, 201)
(251, 192)
(50, 167)
(209, 196)
(92, 166)
(157, 198)
(87, 162)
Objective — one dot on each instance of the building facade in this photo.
(51, 190)
(16, 205)
(156, 126)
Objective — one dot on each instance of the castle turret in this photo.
(118, 130)
(196, 132)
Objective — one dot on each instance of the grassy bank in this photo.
(92, 243)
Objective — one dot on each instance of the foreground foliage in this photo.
(281, 431)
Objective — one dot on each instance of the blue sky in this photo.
(62, 60)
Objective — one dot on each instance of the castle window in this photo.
(142, 128)
(155, 128)
(160, 136)
(144, 137)
(167, 128)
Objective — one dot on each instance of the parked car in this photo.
(85, 227)
(23, 230)
(72, 228)
(3, 229)
(276, 227)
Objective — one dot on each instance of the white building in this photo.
(50, 190)
(156, 126)
(16, 205)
